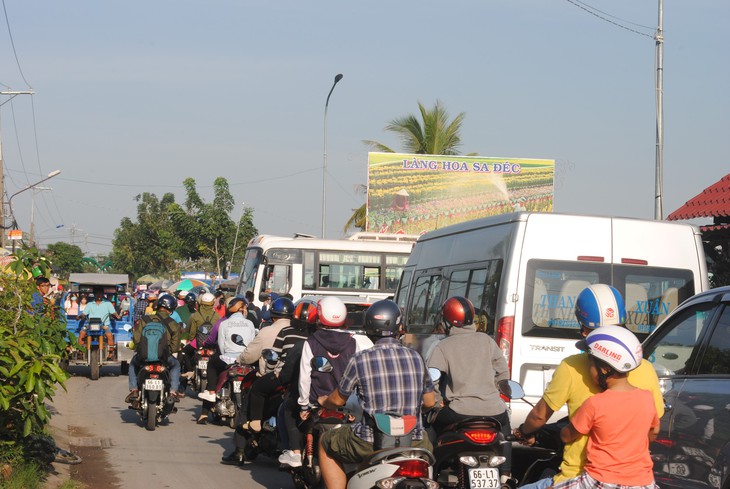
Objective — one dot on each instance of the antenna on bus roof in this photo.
(302, 235)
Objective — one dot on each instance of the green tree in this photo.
(434, 134)
(66, 258)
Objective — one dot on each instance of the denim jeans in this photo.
(541, 484)
(172, 364)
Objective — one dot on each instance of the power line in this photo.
(593, 10)
(12, 43)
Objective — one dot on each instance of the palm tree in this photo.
(435, 136)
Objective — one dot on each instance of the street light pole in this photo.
(235, 240)
(324, 164)
(658, 178)
(10, 200)
(32, 213)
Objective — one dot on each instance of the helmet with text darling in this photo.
(384, 319)
(614, 345)
(457, 312)
(305, 314)
(600, 305)
(331, 312)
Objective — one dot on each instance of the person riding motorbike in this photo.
(164, 307)
(234, 333)
(471, 364)
(388, 378)
(597, 305)
(204, 314)
(102, 310)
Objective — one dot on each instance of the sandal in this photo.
(110, 355)
(247, 427)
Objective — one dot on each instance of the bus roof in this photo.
(358, 242)
(98, 278)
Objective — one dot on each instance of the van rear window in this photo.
(552, 288)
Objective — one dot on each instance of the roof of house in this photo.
(714, 201)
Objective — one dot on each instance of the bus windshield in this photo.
(251, 263)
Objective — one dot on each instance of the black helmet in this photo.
(457, 312)
(383, 318)
(166, 301)
(235, 304)
(191, 298)
(282, 308)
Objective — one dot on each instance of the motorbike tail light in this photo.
(209, 353)
(665, 442)
(481, 436)
(412, 468)
(505, 335)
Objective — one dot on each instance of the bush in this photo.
(32, 344)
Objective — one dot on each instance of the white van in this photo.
(523, 272)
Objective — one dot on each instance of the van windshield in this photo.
(552, 288)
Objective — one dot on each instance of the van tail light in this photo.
(505, 336)
(414, 468)
(634, 261)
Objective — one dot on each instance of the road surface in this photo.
(93, 420)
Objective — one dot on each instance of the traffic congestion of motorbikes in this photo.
(339, 404)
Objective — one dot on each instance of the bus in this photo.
(364, 266)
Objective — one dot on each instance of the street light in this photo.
(10, 200)
(324, 165)
(32, 212)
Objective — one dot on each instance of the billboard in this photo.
(412, 194)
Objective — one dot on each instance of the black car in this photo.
(690, 351)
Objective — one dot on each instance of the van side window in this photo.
(716, 359)
(402, 294)
(426, 303)
(480, 286)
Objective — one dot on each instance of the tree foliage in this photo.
(168, 237)
(31, 346)
(66, 258)
(434, 134)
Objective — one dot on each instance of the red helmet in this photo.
(331, 312)
(457, 312)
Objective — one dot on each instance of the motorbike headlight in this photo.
(469, 461)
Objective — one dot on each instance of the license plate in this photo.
(153, 384)
(483, 478)
(95, 327)
(202, 364)
(678, 469)
(236, 386)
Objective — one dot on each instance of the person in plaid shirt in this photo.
(388, 378)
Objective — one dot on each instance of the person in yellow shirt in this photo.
(596, 306)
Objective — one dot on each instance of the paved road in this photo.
(92, 414)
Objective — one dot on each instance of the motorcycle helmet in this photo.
(331, 312)
(383, 319)
(600, 305)
(305, 314)
(235, 304)
(166, 301)
(190, 298)
(282, 308)
(457, 312)
(207, 299)
(615, 346)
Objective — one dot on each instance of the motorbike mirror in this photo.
(434, 373)
(238, 339)
(321, 364)
(270, 355)
(511, 389)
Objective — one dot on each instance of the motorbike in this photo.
(200, 374)
(231, 389)
(469, 454)
(155, 402)
(96, 350)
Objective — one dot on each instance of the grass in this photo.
(30, 476)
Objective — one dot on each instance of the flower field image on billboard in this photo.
(413, 194)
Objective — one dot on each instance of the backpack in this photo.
(204, 329)
(154, 346)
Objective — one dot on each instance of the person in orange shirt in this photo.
(619, 422)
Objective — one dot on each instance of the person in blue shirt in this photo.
(104, 311)
(40, 299)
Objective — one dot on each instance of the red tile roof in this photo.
(714, 201)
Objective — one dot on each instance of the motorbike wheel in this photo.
(124, 368)
(94, 362)
(151, 416)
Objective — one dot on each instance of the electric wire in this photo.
(588, 8)
(12, 43)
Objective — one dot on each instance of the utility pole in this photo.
(659, 38)
(12, 94)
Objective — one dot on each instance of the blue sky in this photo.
(136, 96)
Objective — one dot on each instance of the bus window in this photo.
(276, 279)
(393, 268)
(251, 263)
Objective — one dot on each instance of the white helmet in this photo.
(207, 299)
(615, 345)
(331, 312)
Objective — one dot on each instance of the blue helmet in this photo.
(600, 305)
